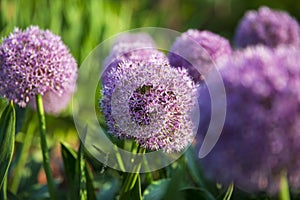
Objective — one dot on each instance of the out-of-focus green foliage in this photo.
(83, 24)
(7, 141)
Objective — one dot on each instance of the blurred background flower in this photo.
(258, 140)
(197, 51)
(269, 27)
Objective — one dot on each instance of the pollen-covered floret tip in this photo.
(268, 27)
(36, 61)
(197, 51)
(150, 102)
(258, 140)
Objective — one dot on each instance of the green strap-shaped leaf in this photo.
(7, 139)
(69, 159)
(86, 190)
(82, 177)
(75, 174)
(156, 190)
(135, 192)
(192, 193)
(227, 194)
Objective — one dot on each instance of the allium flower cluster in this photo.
(261, 136)
(150, 102)
(126, 43)
(268, 27)
(130, 46)
(35, 62)
(197, 50)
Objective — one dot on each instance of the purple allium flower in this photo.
(35, 62)
(130, 46)
(133, 38)
(150, 102)
(268, 27)
(261, 136)
(196, 49)
(54, 103)
(126, 43)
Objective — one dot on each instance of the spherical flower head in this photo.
(133, 38)
(35, 62)
(125, 44)
(268, 27)
(131, 46)
(197, 50)
(54, 103)
(150, 102)
(260, 138)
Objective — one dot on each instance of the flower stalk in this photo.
(44, 146)
(131, 178)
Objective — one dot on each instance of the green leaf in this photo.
(81, 172)
(69, 160)
(12, 196)
(3, 103)
(78, 179)
(3, 190)
(228, 194)
(196, 193)
(284, 193)
(89, 185)
(109, 188)
(193, 167)
(22, 151)
(86, 190)
(179, 179)
(241, 194)
(135, 193)
(35, 192)
(7, 139)
(20, 118)
(156, 190)
(179, 188)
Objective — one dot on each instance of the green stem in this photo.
(284, 193)
(149, 176)
(129, 182)
(119, 158)
(229, 192)
(3, 189)
(46, 157)
(131, 178)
